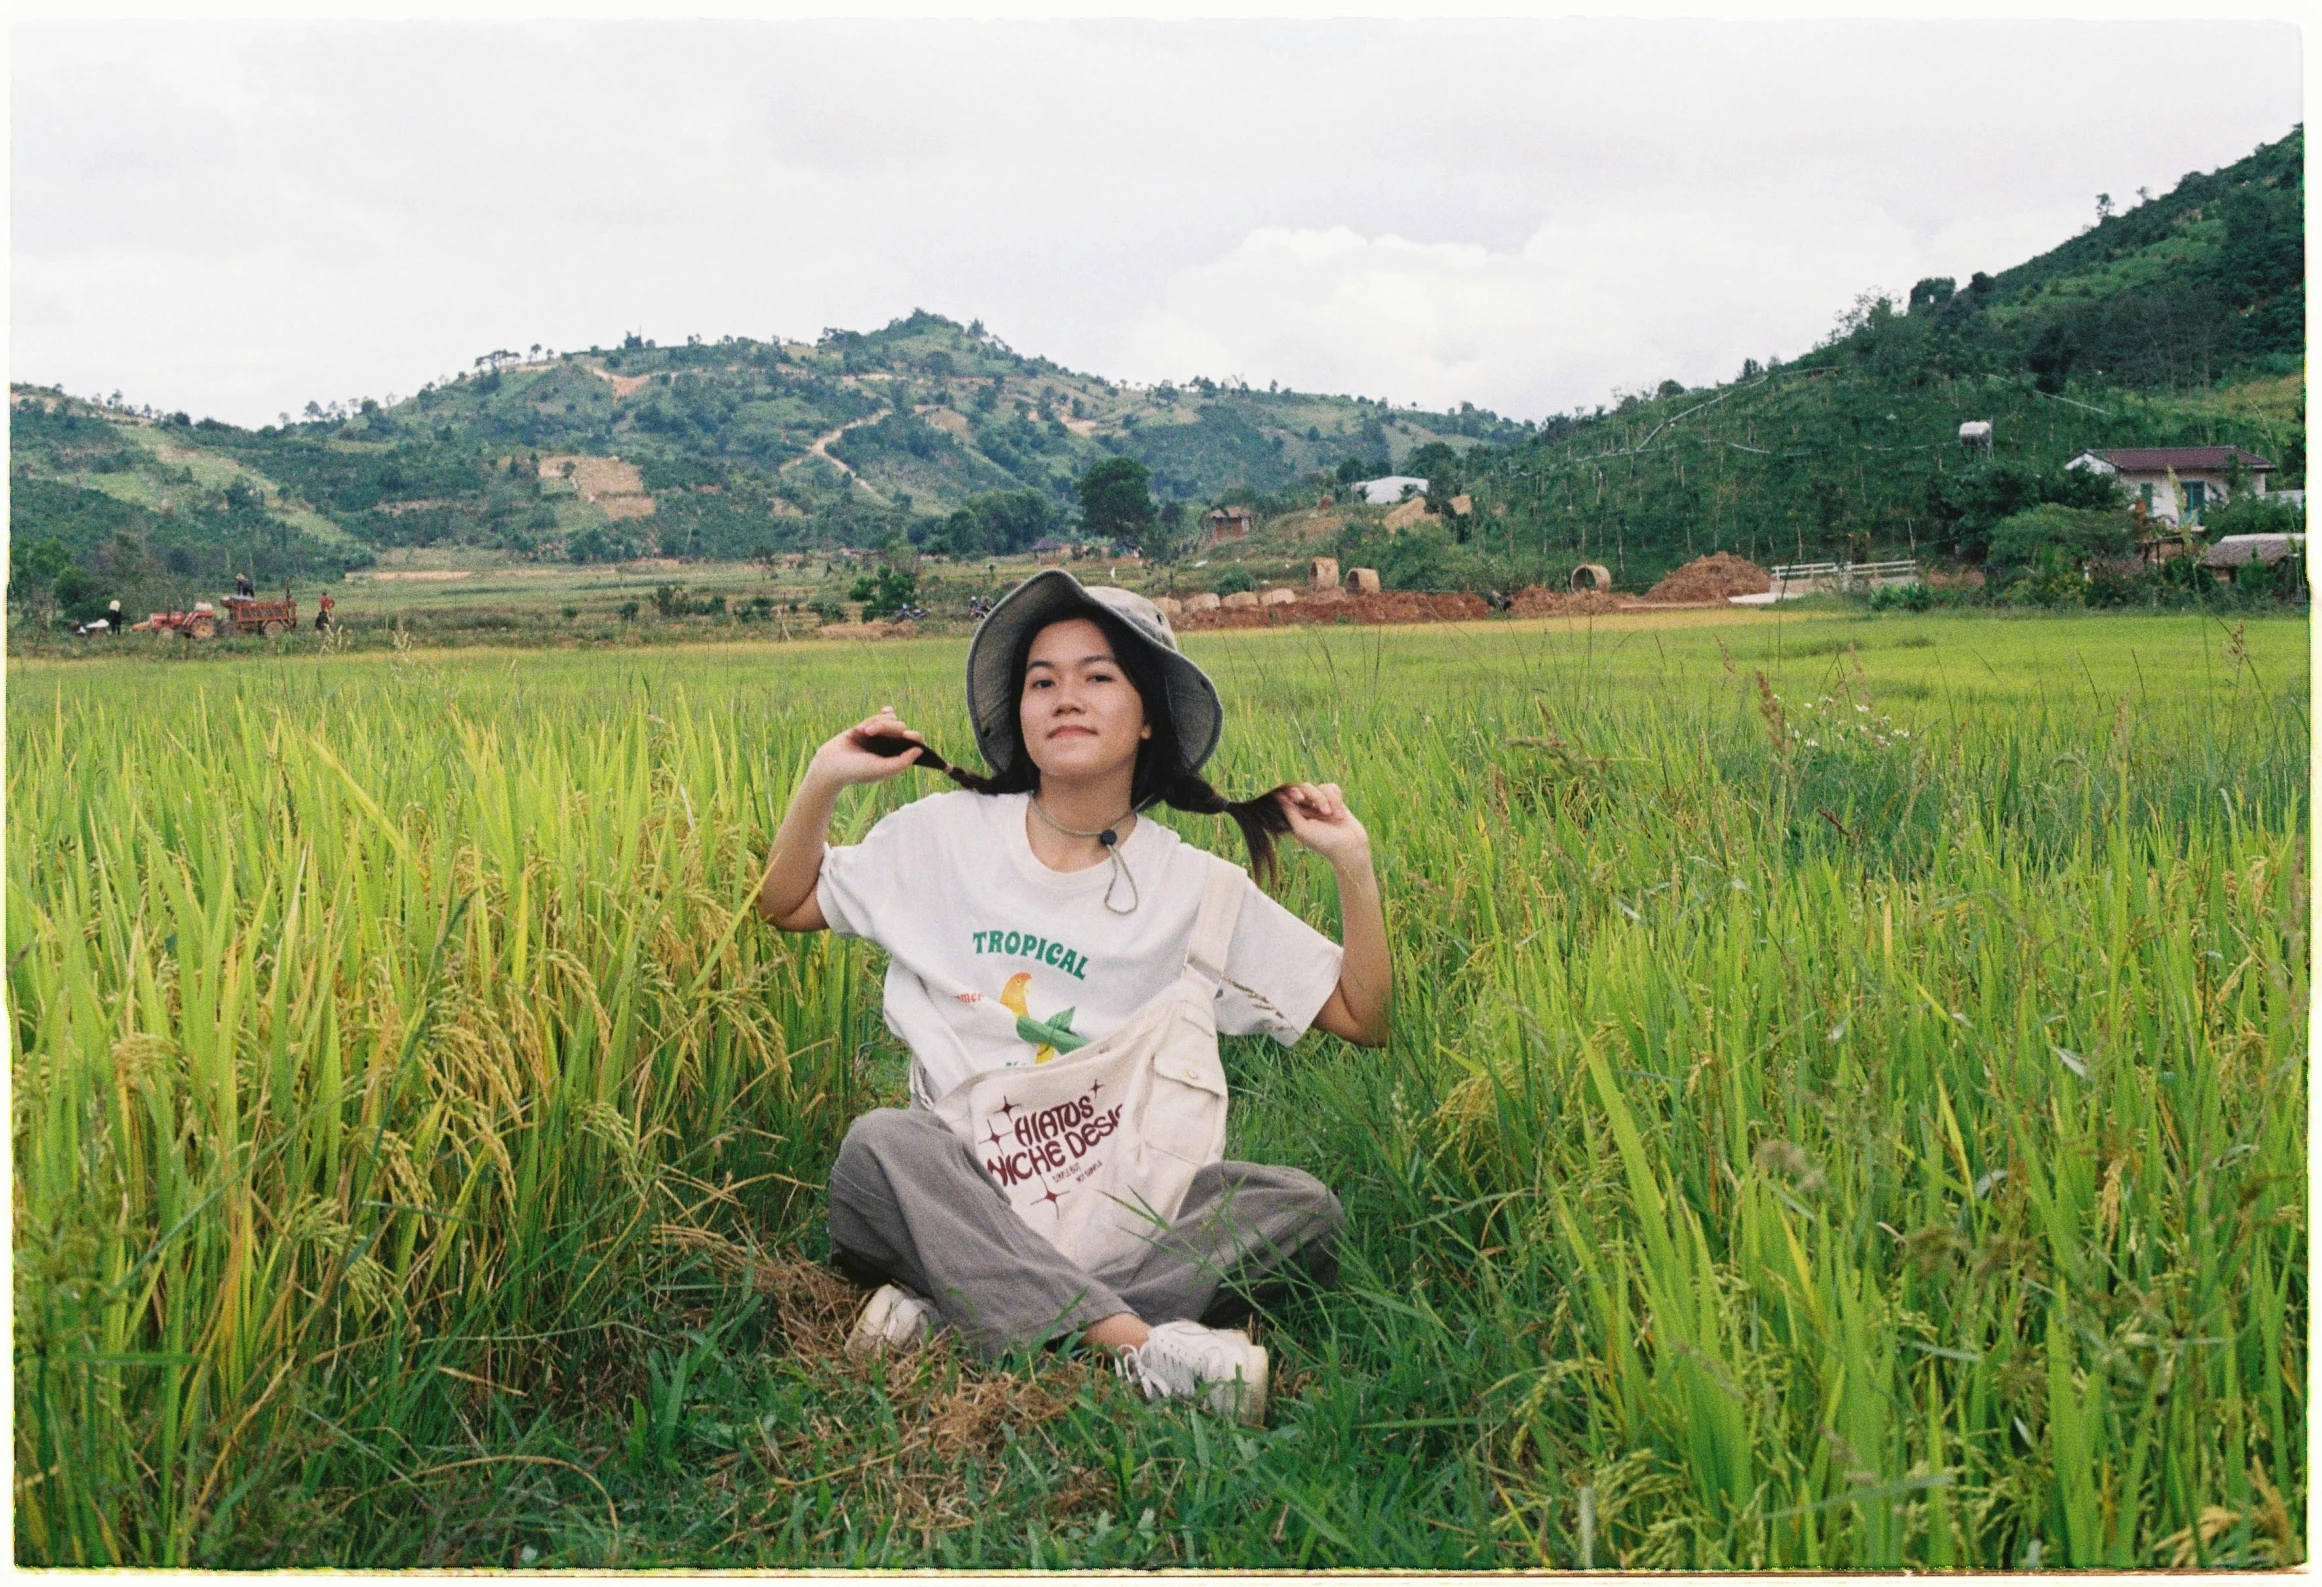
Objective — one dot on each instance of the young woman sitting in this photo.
(1060, 968)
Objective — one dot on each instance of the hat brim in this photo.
(1052, 595)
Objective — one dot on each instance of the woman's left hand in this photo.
(1320, 819)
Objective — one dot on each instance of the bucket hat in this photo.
(1052, 595)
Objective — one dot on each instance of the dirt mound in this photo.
(1712, 578)
(1539, 601)
(1392, 606)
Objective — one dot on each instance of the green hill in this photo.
(1821, 461)
(707, 450)
(2181, 322)
(2205, 281)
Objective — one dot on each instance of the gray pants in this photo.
(910, 1204)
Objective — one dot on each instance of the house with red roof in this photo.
(2175, 483)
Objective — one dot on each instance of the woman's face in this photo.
(1082, 717)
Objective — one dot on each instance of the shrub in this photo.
(2254, 515)
(1902, 598)
(34, 566)
(1233, 581)
(1421, 557)
(1975, 502)
(77, 597)
(886, 593)
(2075, 534)
(594, 544)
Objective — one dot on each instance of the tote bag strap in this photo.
(1222, 891)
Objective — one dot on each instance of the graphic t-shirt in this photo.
(950, 888)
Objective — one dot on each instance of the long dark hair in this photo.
(1156, 779)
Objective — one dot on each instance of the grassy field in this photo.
(445, 596)
(1847, 1109)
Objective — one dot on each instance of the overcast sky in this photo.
(235, 219)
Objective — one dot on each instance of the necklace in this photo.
(1111, 842)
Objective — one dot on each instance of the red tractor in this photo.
(200, 623)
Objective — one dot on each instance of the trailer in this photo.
(253, 616)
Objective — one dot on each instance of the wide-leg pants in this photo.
(909, 1204)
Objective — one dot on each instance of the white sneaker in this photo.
(892, 1319)
(1216, 1367)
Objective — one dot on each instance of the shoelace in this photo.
(1206, 1363)
(1131, 1365)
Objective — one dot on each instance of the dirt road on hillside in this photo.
(819, 447)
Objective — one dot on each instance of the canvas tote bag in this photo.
(1097, 1147)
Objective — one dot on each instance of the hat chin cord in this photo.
(1111, 842)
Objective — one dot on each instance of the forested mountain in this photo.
(708, 449)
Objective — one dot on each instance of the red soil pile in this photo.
(1390, 606)
(1539, 601)
(1712, 578)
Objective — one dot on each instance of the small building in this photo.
(2234, 550)
(1227, 523)
(1389, 489)
(2175, 484)
(1049, 546)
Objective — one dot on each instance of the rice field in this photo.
(1847, 1109)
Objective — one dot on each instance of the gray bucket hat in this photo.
(1049, 596)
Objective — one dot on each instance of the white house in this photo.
(1388, 490)
(2175, 483)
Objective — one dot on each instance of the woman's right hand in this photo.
(843, 761)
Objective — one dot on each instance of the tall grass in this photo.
(1849, 1119)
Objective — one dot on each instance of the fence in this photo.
(1811, 578)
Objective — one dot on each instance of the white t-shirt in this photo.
(949, 887)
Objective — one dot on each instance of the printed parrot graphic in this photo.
(1052, 1035)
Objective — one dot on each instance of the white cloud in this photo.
(1586, 305)
(236, 218)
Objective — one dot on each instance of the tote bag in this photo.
(1097, 1148)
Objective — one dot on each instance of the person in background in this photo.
(243, 587)
(322, 612)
